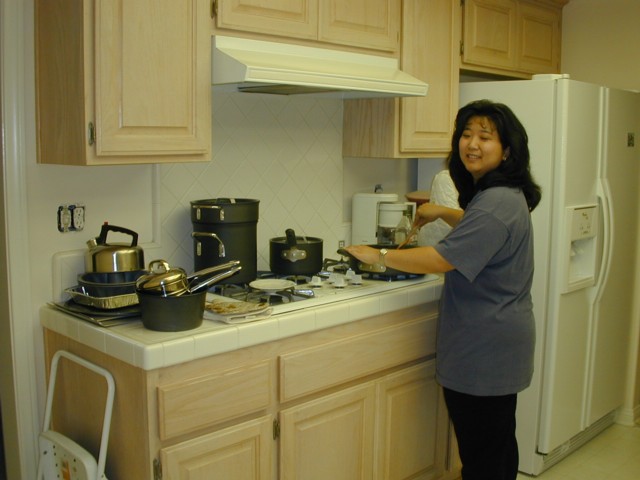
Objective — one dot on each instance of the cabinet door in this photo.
(152, 85)
(329, 438)
(361, 23)
(412, 426)
(539, 39)
(430, 52)
(288, 18)
(242, 452)
(490, 30)
(413, 127)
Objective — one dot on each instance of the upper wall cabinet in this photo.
(122, 82)
(413, 127)
(512, 37)
(370, 24)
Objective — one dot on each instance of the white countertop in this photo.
(148, 349)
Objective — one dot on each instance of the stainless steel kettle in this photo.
(106, 257)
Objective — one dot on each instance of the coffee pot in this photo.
(394, 222)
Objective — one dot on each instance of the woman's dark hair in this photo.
(513, 172)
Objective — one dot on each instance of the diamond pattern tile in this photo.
(284, 151)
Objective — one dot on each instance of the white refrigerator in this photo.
(584, 156)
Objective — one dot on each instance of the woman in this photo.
(443, 192)
(486, 330)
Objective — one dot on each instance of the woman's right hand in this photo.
(429, 212)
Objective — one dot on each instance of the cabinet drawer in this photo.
(196, 403)
(317, 368)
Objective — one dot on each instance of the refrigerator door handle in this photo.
(604, 198)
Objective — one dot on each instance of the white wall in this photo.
(600, 42)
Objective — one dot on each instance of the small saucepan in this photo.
(165, 281)
(295, 255)
(359, 267)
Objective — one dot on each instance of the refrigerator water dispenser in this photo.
(581, 227)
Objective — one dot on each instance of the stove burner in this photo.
(297, 279)
(339, 266)
(391, 278)
(271, 298)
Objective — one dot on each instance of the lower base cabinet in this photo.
(388, 429)
(353, 402)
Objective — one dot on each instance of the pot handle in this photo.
(212, 280)
(294, 253)
(208, 207)
(221, 250)
(291, 237)
(363, 267)
(106, 228)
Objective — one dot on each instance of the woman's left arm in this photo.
(411, 260)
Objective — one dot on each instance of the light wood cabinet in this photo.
(368, 24)
(371, 410)
(413, 127)
(123, 82)
(392, 428)
(512, 37)
(330, 437)
(412, 425)
(242, 452)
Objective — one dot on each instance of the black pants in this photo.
(486, 431)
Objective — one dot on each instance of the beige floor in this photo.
(612, 455)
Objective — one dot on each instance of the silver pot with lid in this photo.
(105, 257)
(166, 281)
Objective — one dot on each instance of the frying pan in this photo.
(359, 267)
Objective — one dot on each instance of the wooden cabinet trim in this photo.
(408, 400)
(246, 449)
(321, 367)
(335, 433)
(196, 403)
(531, 44)
(271, 18)
(91, 68)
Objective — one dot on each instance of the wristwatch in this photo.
(383, 253)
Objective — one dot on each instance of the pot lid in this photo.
(162, 276)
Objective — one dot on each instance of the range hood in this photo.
(246, 65)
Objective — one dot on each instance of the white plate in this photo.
(272, 285)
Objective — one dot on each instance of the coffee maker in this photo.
(379, 218)
(394, 222)
(364, 216)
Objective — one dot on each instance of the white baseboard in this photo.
(628, 416)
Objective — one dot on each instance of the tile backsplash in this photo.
(284, 151)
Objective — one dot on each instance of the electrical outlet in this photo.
(64, 218)
(341, 244)
(77, 217)
(71, 218)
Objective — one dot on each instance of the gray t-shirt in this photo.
(486, 330)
